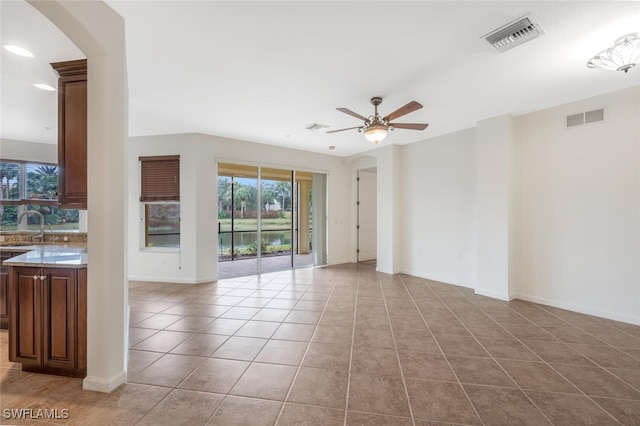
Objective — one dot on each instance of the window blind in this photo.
(160, 178)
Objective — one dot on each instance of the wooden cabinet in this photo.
(4, 288)
(72, 133)
(48, 317)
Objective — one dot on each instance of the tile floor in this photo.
(345, 345)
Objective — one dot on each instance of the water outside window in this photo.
(264, 219)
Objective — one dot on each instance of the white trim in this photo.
(444, 280)
(337, 262)
(101, 385)
(267, 165)
(494, 295)
(176, 280)
(579, 308)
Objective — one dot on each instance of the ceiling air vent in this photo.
(514, 34)
(315, 126)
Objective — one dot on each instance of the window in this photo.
(32, 186)
(160, 198)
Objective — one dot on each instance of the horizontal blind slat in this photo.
(160, 178)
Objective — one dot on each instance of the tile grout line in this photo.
(491, 355)
(353, 336)
(568, 345)
(183, 380)
(426, 284)
(194, 370)
(295, 376)
(395, 346)
(529, 348)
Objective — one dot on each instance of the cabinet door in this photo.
(4, 296)
(72, 133)
(4, 290)
(73, 144)
(25, 317)
(59, 299)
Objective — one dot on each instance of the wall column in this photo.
(495, 207)
(388, 204)
(99, 32)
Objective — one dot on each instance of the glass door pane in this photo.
(225, 250)
(238, 227)
(276, 219)
(304, 220)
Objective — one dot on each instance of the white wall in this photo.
(580, 192)
(437, 208)
(28, 151)
(196, 261)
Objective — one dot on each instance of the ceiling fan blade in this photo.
(351, 113)
(342, 130)
(410, 107)
(410, 126)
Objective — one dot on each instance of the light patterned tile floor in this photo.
(346, 345)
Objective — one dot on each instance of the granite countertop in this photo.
(49, 256)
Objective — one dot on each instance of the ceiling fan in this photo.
(375, 127)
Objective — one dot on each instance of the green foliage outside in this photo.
(246, 195)
(252, 224)
(41, 183)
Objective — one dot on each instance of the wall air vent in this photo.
(585, 118)
(514, 34)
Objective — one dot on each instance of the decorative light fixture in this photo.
(375, 128)
(375, 132)
(622, 56)
(17, 50)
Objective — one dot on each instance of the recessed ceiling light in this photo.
(45, 87)
(18, 50)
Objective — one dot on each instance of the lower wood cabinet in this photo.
(4, 288)
(48, 320)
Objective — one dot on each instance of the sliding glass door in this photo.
(281, 231)
(237, 218)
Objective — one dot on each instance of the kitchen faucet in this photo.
(23, 214)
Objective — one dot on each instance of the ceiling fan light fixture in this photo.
(376, 133)
(622, 56)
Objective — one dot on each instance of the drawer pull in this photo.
(42, 277)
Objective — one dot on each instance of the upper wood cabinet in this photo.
(72, 133)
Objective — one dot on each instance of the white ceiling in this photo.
(262, 71)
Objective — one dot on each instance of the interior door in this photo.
(367, 216)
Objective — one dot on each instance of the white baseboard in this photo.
(588, 310)
(446, 280)
(385, 271)
(494, 295)
(104, 385)
(176, 280)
